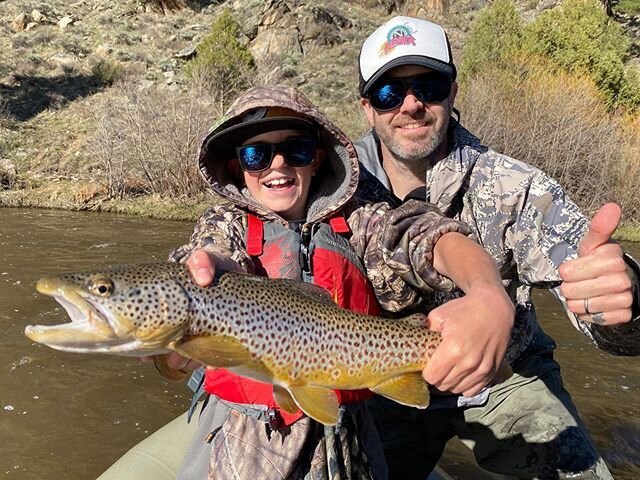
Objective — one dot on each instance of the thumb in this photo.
(435, 320)
(603, 224)
(201, 267)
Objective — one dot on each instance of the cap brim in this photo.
(234, 136)
(419, 60)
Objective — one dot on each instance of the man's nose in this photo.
(411, 104)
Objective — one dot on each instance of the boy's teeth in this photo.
(278, 182)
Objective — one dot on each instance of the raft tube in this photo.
(158, 456)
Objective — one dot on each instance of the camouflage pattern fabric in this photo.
(243, 447)
(522, 218)
(379, 235)
(528, 427)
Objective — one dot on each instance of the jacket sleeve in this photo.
(547, 232)
(396, 246)
(220, 229)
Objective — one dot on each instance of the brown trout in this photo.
(287, 333)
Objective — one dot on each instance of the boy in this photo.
(288, 177)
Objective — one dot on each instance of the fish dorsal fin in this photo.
(314, 292)
(408, 389)
(284, 399)
(220, 351)
(416, 319)
(309, 290)
(319, 403)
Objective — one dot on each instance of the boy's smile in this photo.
(281, 187)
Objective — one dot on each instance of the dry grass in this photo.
(146, 140)
(559, 123)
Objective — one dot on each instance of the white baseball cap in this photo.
(404, 41)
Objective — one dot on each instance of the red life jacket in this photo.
(320, 254)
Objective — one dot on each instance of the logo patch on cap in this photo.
(398, 35)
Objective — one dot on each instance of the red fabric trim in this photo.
(236, 389)
(349, 288)
(255, 236)
(339, 224)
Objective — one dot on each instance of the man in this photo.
(527, 426)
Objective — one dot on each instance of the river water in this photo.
(69, 416)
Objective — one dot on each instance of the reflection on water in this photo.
(63, 415)
(69, 416)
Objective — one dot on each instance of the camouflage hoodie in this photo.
(380, 237)
(520, 215)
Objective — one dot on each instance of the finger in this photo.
(437, 317)
(201, 267)
(605, 303)
(598, 287)
(608, 258)
(470, 379)
(177, 361)
(437, 369)
(602, 226)
(475, 389)
(609, 318)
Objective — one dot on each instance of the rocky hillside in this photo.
(60, 58)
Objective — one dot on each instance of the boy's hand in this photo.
(202, 267)
(476, 330)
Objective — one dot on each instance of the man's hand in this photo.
(597, 285)
(475, 334)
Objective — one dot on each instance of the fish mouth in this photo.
(93, 328)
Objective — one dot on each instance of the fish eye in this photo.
(102, 287)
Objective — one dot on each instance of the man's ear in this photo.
(453, 92)
(368, 110)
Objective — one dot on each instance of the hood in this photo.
(336, 180)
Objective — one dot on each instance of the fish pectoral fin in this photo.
(160, 362)
(220, 351)
(408, 389)
(319, 403)
(284, 400)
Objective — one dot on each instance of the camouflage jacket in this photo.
(521, 216)
(380, 237)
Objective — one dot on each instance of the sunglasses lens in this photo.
(299, 152)
(254, 158)
(431, 88)
(387, 95)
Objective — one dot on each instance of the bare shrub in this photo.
(628, 176)
(146, 141)
(558, 122)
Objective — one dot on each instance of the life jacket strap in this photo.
(255, 235)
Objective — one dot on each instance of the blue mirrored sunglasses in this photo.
(297, 152)
(388, 93)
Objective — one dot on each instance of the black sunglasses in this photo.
(297, 152)
(388, 93)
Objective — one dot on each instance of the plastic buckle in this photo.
(274, 419)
